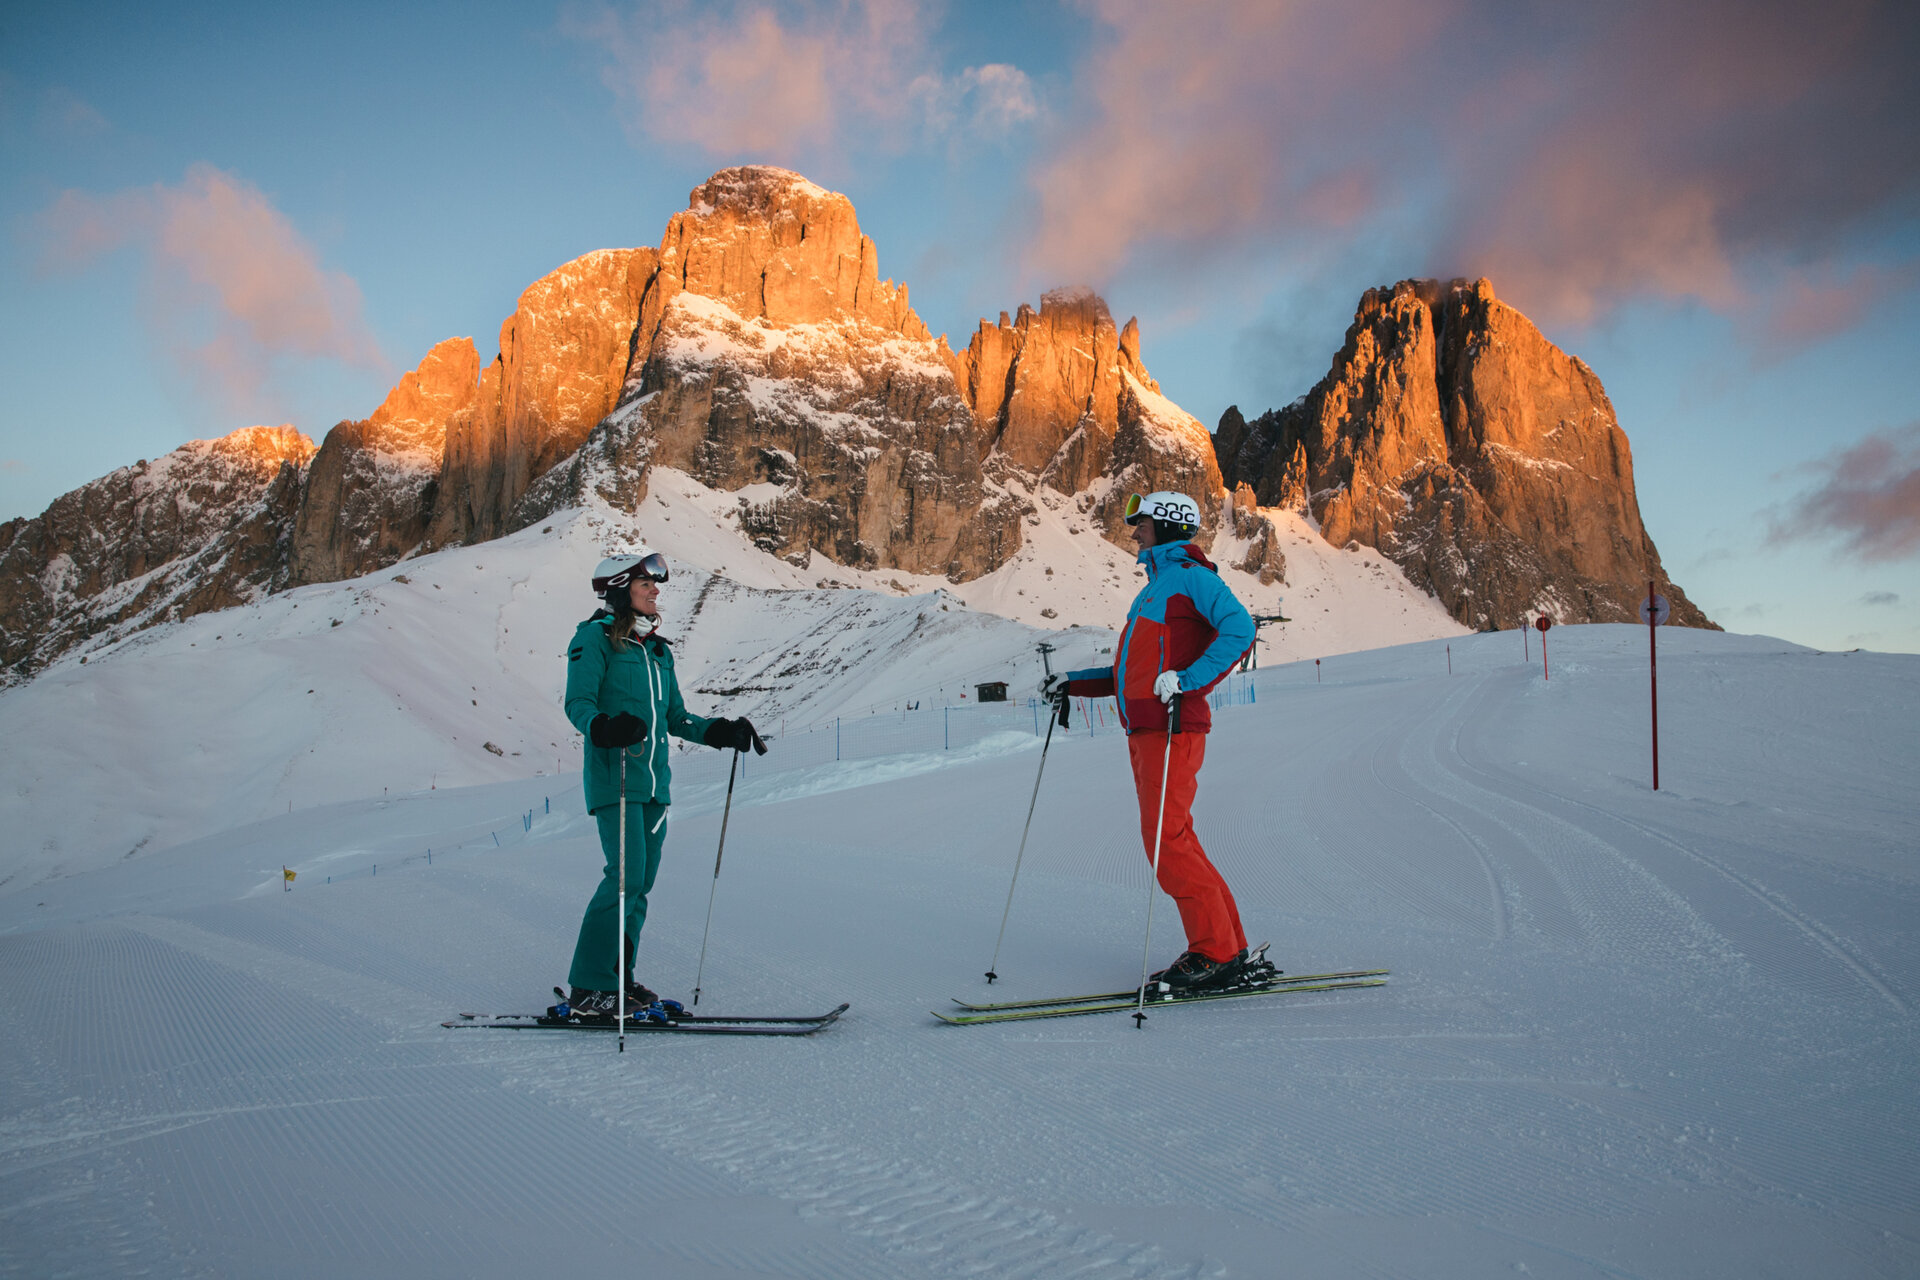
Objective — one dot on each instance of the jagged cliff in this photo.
(1062, 395)
(373, 488)
(204, 527)
(769, 354)
(1451, 436)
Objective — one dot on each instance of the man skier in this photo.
(1184, 633)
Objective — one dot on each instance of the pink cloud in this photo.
(1868, 497)
(1581, 156)
(1813, 305)
(762, 82)
(1209, 124)
(231, 289)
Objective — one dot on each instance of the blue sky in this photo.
(221, 215)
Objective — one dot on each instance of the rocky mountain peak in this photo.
(768, 352)
(413, 418)
(259, 447)
(203, 527)
(772, 245)
(1450, 435)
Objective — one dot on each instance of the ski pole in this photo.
(620, 961)
(725, 812)
(1041, 772)
(1159, 828)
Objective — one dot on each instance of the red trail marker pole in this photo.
(1541, 624)
(1654, 611)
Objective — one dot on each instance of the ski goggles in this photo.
(653, 568)
(1174, 508)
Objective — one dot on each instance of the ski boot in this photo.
(580, 1003)
(1194, 973)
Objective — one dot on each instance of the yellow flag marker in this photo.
(289, 873)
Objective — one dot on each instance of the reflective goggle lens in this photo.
(1133, 508)
(653, 568)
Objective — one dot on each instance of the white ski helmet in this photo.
(617, 571)
(1173, 510)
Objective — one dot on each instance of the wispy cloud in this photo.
(66, 113)
(1868, 496)
(230, 288)
(746, 81)
(13, 467)
(1810, 305)
(1581, 156)
(989, 100)
(1880, 598)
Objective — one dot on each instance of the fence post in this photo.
(946, 728)
(836, 737)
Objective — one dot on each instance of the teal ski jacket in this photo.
(638, 679)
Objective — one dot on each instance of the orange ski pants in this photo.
(1206, 904)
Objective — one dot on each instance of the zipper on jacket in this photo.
(653, 718)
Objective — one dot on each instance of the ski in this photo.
(681, 1024)
(1290, 979)
(1129, 1003)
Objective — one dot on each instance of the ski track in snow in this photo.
(1627, 1034)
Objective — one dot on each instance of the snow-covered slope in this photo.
(1627, 1034)
(396, 682)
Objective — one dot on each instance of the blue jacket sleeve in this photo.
(1215, 601)
(1091, 682)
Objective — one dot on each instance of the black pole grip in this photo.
(1173, 714)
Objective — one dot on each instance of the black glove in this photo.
(1054, 689)
(622, 730)
(735, 734)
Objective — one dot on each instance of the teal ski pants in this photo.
(593, 968)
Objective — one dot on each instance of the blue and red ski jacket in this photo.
(1185, 619)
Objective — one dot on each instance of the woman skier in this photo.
(622, 694)
(1184, 633)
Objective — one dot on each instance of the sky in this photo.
(214, 216)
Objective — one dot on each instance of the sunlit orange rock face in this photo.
(370, 491)
(563, 356)
(201, 528)
(769, 352)
(1451, 436)
(1060, 394)
(773, 246)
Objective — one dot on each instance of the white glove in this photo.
(1167, 687)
